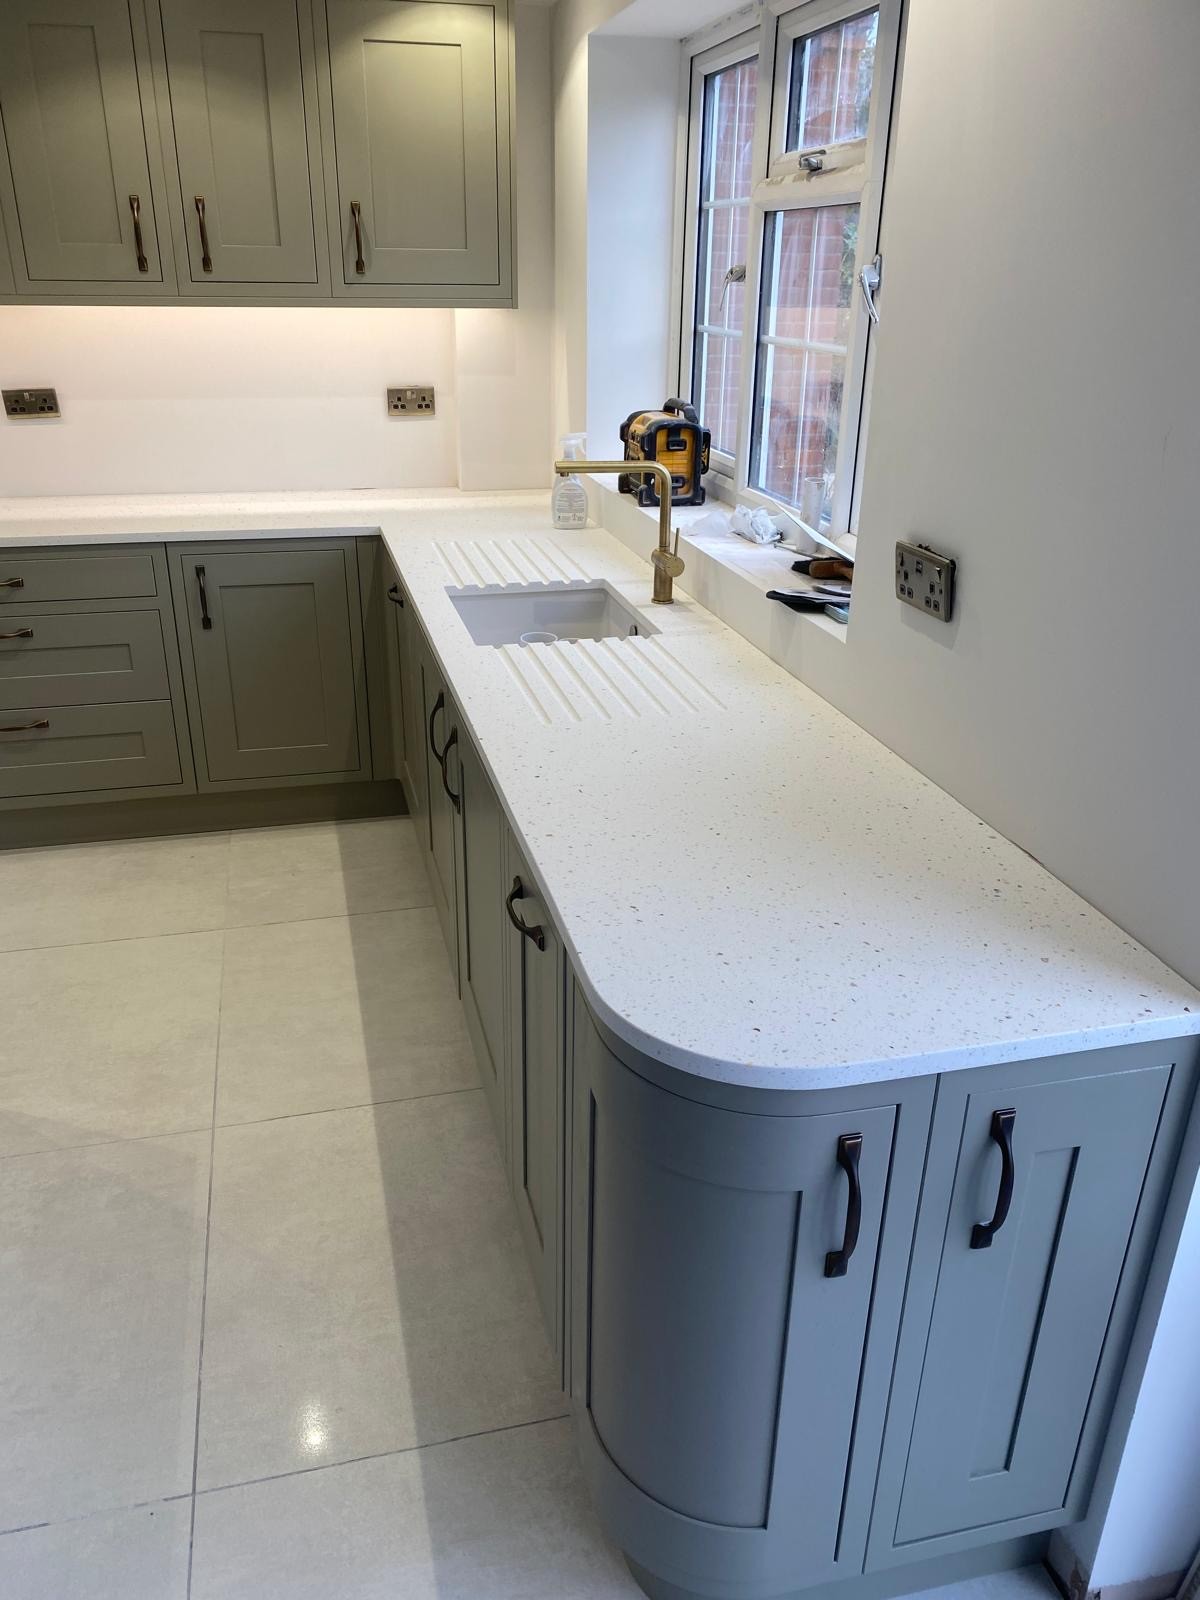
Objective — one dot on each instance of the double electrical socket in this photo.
(411, 402)
(31, 403)
(925, 579)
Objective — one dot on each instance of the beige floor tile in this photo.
(340, 1012)
(121, 1555)
(73, 894)
(366, 1290)
(503, 1517)
(324, 869)
(101, 1276)
(108, 1041)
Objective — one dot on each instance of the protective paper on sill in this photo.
(777, 526)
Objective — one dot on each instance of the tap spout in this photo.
(665, 560)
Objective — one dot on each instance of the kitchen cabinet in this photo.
(536, 1023)
(81, 192)
(440, 737)
(418, 180)
(64, 657)
(482, 925)
(1011, 1341)
(725, 1266)
(748, 1419)
(257, 151)
(242, 143)
(273, 661)
(7, 286)
(91, 693)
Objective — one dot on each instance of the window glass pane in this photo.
(804, 326)
(726, 157)
(728, 135)
(832, 74)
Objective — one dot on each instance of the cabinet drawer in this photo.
(80, 748)
(34, 579)
(64, 658)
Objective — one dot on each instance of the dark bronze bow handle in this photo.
(849, 1148)
(455, 799)
(517, 892)
(360, 265)
(1001, 1133)
(206, 253)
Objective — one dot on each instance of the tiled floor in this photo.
(267, 1331)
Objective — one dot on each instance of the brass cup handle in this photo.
(538, 934)
(26, 727)
(21, 633)
(206, 253)
(135, 205)
(360, 265)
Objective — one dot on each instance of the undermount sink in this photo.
(549, 614)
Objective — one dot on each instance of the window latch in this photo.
(813, 161)
(734, 275)
(870, 281)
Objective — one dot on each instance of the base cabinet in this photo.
(536, 1013)
(273, 661)
(752, 1427)
(481, 842)
(440, 738)
(1013, 1341)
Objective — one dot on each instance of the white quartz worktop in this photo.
(751, 887)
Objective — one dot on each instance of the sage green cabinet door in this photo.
(73, 117)
(418, 109)
(481, 924)
(275, 654)
(441, 736)
(1009, 1366)
(415, 772)
(243, 109)
(536, 990)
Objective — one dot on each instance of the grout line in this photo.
(102, 1144)
(212, 1152)
(382, 1455)
(192, 933)
(87, 1516)
(357, 1105)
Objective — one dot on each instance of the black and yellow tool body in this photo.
(675, 438)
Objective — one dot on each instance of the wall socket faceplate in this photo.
(925, 579)
(22, 403)
(411, 402)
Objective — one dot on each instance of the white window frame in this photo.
(744, 45)
(851, 173)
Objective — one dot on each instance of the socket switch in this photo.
(411, 402)
(31, 403)
(925, 579)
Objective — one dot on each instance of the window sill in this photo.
(730, 577)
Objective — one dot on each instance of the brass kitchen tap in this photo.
(665, 560)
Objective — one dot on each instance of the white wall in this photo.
(211, 398)
(1036, 411)
(573, 21)
(631, 264)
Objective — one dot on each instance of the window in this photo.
(787, 135)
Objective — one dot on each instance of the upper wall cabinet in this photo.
(420, 95)
(240, 80)
(257, 150)
(78, 194)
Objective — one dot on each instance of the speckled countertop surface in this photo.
(721, 849)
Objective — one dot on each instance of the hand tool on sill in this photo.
(807, 599)
(825, 567)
